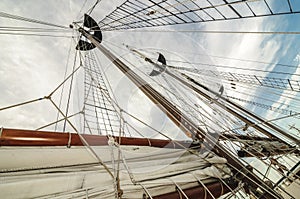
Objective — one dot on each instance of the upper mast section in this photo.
(91, 26)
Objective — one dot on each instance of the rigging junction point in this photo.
(179, 118)
(117, 163)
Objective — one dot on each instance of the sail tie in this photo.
(70, 139)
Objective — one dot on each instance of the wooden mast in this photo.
(183, 122)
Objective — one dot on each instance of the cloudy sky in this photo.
(32, 66)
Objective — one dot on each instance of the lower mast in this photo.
(246, 175)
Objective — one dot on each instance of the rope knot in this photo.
(111, 141)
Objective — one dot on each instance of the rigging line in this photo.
(230, 58)
(138, 69)
(268, 81)
(178, 143)
(131, 176)
(185, 148)
(23, 103)
(210, 32)
(244, 60)
(88, 64)
(107, 96)
(201, 90)
(191, 110)
(147, 125)
(139, 81)
(104, 92)
(130, 134)
(208, 7)
(93, 7)
(286, 94)
(106, 78)
(121, 132)
(252, 92)
(93, 93)
(170, 138)
(116, 45)
(70, 91)
(62, 91)
(79, 13)
(139, 13)
(265, 188)
(203, 185)
(265, 106)
(28, 34)
(82, 139)
(166, 89)
(208, 116)
(80, 107)
(57, 121)
(267, 124)
(239, 68)
(30, 29)
(16, 17)
(62, 83)
(246, 79)
(263, 122)
(271, 91)
(135, 130)
(292, 104)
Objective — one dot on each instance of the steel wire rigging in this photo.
(237, 134)
(139, 14)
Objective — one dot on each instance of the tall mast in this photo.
(228, 106)
(182, 121)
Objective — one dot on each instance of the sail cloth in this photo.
(61, 172)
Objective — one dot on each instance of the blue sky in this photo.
(40, 61)
(31, 67)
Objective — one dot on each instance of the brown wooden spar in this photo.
(184, 123)
(23, 138)
(217, 189)
(29, 138)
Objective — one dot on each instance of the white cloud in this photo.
(41, 61)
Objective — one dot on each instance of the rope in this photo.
(205, 187)
(40, 35)
(100, 96)
(63, 86)
(187, 1)
(70, 90)
(57, 121)
(239, 68)
(82, 139)
(229, 58)
(23, 103)
(16, 17)
(93, 7)
(211, 31)
(179, 189)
